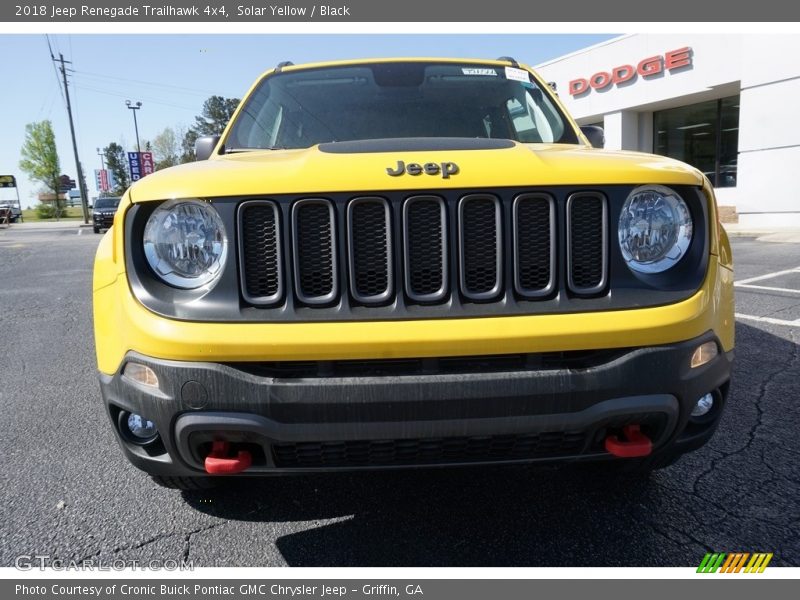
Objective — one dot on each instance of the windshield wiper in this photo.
(235, 150)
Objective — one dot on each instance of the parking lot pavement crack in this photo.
(187, 547)
(727, 512)
(751, 433)
(690, 537)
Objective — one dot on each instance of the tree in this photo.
(217, 111)
(187, 146)
(116, 162)
(166, 149)
(39, 159)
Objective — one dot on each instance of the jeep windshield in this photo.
(106, 203)
(397, 100)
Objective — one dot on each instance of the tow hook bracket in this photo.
(635, 443)
(219, 463)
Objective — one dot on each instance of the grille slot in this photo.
(480, 234)
(314, 237)
(260, 250)
(425, 237)
(534, 222)
(420, 451)
(587, 243)
(370, 250)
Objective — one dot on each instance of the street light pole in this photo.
(102, 160)
(134, 108)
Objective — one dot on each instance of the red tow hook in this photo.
(219, 463)
(635, 444)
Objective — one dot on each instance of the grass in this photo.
(74, 213)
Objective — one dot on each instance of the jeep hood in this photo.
(314, 171)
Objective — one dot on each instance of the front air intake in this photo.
(587, 243)
(370, 250)
(261, 265)
(425, 241)
(315, 259)
(480, 246)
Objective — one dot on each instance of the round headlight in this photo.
(655, 229)
(185, 243)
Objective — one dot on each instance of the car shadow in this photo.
(514, 515)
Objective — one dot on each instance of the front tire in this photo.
(96, 229)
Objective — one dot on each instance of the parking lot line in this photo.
(767, 288)
(771, 320)
(767, 276)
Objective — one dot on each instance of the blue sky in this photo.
(172, 74)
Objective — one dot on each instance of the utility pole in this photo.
(81, 182)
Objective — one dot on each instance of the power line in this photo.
(108, 93)
(197, 91)
(55, 70)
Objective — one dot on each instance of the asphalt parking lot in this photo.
(68, 492)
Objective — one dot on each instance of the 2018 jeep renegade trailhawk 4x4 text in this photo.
(411, 262)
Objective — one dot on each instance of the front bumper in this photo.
(103, 221)
(369, 420)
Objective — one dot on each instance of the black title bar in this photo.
(459, 11)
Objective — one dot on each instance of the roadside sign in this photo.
(141, 164)
(148, 166)
(101, 180)
(8, 181)
(65, 184)
(135, 165)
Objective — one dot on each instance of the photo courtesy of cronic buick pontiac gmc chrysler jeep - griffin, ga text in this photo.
(410, 263)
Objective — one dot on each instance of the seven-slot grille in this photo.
(406, 252)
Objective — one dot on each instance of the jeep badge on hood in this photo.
(446, 169)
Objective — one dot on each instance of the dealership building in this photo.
(723, 103)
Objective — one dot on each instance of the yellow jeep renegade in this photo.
(411, 262)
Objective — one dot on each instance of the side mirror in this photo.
(595, 135)
(204, 146)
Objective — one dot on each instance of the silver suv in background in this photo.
(13, 209)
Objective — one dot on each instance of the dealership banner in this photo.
(178, 11)
(140, 164)
(405, 589)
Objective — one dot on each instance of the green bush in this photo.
(45, 210)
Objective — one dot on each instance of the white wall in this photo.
(769, 131)
(763, 68)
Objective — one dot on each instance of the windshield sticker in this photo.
(490, 72)
(517, 75)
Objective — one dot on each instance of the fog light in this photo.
(136, 428)
(141, 374)
(703, 406)
(704, 353)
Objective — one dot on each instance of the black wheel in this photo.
(191, 484)
(97, 230)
